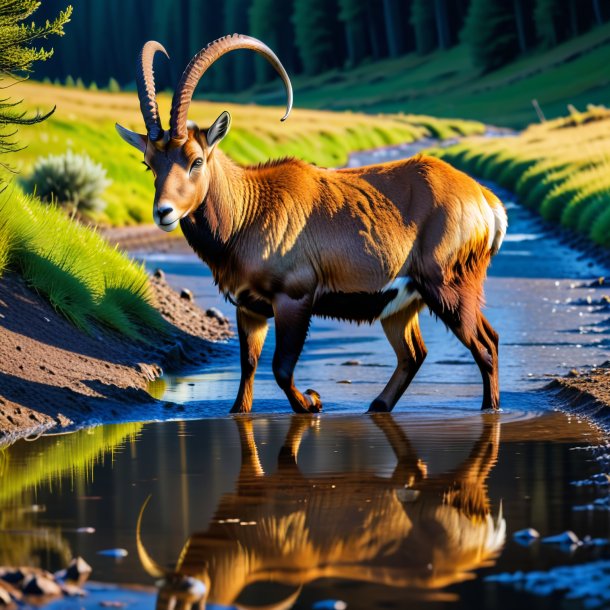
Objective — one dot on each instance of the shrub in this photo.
(113, 86)
(74, 182)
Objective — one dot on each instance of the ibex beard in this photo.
(289, 240)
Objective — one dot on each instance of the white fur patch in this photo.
(499, 228)
(406, 295)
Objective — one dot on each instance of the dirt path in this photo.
(52, 374)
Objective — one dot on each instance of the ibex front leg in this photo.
(291, 325)
(252, 330)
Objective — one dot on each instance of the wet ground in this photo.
(417, 509)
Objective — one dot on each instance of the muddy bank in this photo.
(585, 393)
(52, 375)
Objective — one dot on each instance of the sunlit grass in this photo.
(560, 168)
(82, 276)
(84, 122)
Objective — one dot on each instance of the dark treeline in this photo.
(309, 36)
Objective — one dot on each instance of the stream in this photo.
(415, 509)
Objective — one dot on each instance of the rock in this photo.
(526, 536)
(38, 584)
(573, 373)
(119, 553)
(344, 381)
(567, 538)
(215, 313)
(5, 597)
(78, 571)
(351, 363)
(11, 575)
(330, 604)
(187, 295)
(159, 274)
(600, 281)
(70, 590)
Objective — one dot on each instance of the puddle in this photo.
(377, 511)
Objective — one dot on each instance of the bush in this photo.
(72, 181)
(113, 86)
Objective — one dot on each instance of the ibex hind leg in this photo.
(403, 333)
(465, 319)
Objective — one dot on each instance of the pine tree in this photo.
(546, 15)
(424, 24)
(17, 56)
(491, 33)
(352, 13)
(315, 25)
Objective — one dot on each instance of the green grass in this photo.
(447, 84)
(84, 122)
(83, 277)
(560, 169)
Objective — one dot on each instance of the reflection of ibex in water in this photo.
(408, 530)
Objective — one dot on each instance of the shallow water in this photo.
(376, 511)
(412, 510)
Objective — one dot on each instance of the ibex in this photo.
(408, 531)
(290, 240)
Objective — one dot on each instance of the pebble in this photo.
(526, 536)
(159, 274)
(330, 604)
(351, 363)
(40, 585)
(78, 571)
(215, 313)
(113, 553)
(567, 538)
(186, 294)
(344, 381)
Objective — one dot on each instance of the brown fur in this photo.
(283, 237)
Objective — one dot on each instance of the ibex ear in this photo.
(219, 129)
(131, 137)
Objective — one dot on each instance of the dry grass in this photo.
(560, 168)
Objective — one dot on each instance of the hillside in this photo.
(447, 84)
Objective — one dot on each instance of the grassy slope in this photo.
(83, 277)
(84, 121)
(447, 84)
(560, 168)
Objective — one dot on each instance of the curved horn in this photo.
(202, 61)
(148, 563)
(145, 81)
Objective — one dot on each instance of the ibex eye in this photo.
(197, 163)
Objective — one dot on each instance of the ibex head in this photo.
(180, 157)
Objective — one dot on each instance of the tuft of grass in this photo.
(83, 277)
(84, 123)
(560, 168)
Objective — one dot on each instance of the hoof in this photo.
(315, 403)
(378, 406)
(240, 409)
